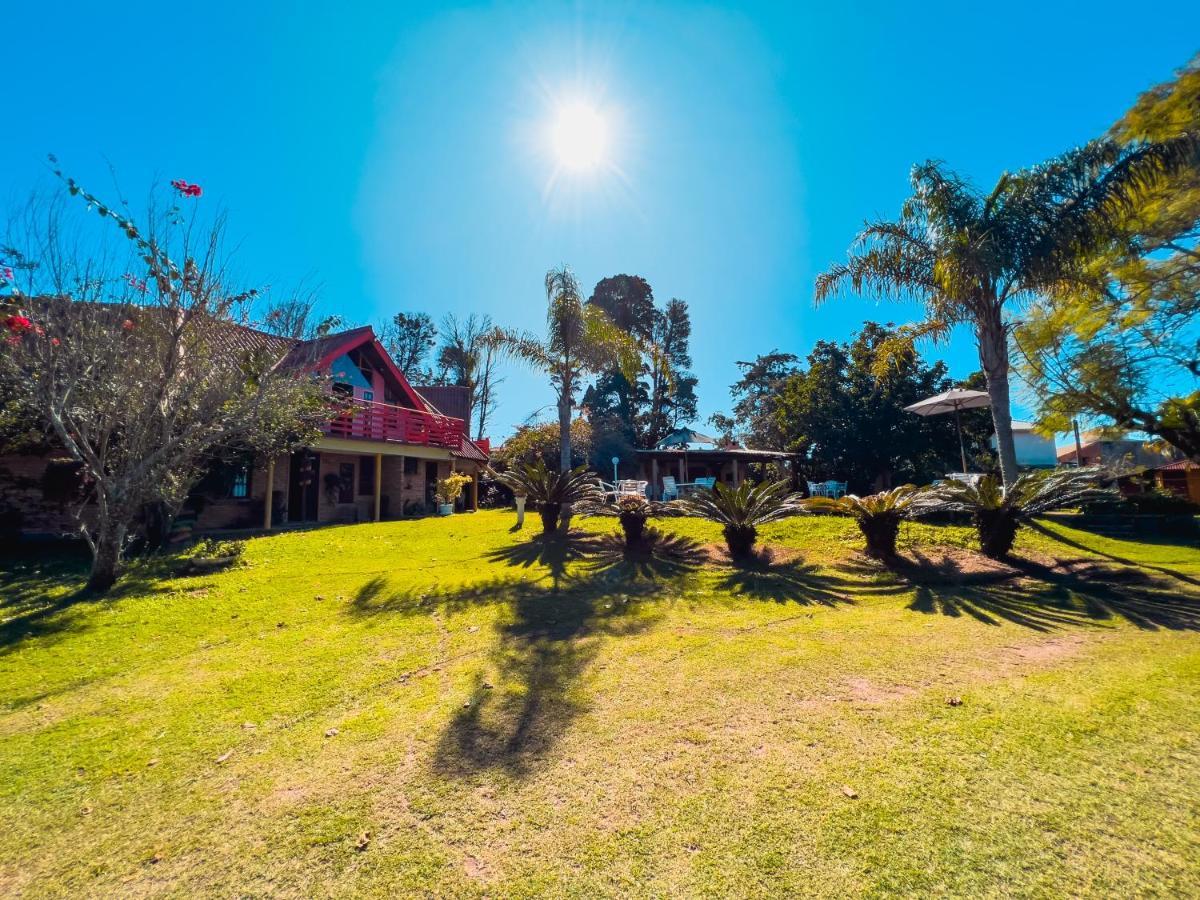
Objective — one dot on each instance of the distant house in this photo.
(1033, 450)
(1181, 478)
(379, 460)
(1112, 453)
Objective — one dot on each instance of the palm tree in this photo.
(740, 510)
(580, 339)
(967, 255)
(999, 512)
(551, 491)
(878, 515)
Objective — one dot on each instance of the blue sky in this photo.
(395, 154)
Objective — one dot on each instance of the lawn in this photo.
(447, 707)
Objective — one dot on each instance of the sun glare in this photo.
(580, 137)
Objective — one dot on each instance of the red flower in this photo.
(185, 189)
(127, 324)
(55, 341)
(17, 324)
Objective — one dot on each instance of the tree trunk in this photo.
(106, 556)
(993, 355)
(564, 432)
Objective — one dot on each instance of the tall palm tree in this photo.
(580, 339)
(967, 255)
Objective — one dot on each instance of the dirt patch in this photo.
(951, 565)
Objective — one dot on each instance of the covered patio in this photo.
(728, 466)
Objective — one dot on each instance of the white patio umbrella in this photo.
(954, 400)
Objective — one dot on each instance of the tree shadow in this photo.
(1164, 570)
(33, 605)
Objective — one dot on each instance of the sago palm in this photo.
(967, 256)
(631, 511)
(741, 510)
(580, 339)
(878, 516)
(999, 512)
(550, 491)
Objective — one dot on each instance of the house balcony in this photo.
(370, 421)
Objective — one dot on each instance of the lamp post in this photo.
(615, 460)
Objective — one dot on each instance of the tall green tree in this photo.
(1120, 345)
(581, 339)
(643, 410)
(754, 398)
(970, 257)
(849, 422)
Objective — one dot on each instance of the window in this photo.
(368, 395)
(410, 465)
(366, 476)
(343, 390)
(239, 487)
(346, 483)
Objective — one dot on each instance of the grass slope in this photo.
(444, 706)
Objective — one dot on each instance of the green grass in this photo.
(515, 718)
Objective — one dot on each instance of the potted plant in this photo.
(449, 489)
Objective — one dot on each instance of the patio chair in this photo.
(835, 489)
(670, 490)
(706, 483)
(816, 489)
(628, 487)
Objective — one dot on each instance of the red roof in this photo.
(1178, 466)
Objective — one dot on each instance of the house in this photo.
(1114, 453)
(1033, 450)
(381, 459)
(1181, 478)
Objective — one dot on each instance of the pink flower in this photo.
(17, 325)
(55, 342)
(136, 283)
(127, 324)
(13, 340)
(6, 273)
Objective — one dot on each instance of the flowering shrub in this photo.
(185, 189)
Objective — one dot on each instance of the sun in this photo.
(579, 136)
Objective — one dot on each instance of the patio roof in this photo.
(728, 453)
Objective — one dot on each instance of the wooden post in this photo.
(270, 494)
(654, 494)
(682, 474)
(737, 478)
(378, 486)
(475, 490)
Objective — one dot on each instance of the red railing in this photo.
(383, 422)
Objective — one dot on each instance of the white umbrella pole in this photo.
(962, 449)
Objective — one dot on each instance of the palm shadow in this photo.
(1164, 570)
(588, 588)
(763, 577)
(1070, 593)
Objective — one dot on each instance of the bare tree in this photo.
(134, 362)
(469, 356)
(408, 338)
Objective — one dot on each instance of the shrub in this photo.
(549, 490)
(450, 488)
(878, 515)
(998, 514)
(739, 511)
(218, 549)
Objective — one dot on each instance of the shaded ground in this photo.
(446, 706)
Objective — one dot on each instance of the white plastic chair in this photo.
(670, 491)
